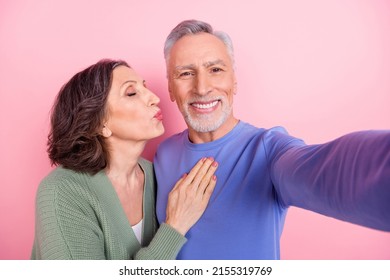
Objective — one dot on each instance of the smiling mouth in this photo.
(205, 105)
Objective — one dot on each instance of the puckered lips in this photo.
(159, 115)
(205, 106)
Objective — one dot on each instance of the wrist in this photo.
(179, 228)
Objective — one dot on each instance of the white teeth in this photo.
(205, 106)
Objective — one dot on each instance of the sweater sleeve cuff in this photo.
(167, 243)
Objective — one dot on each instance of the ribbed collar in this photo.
(211, 145)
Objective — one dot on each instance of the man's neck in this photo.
(204, 137)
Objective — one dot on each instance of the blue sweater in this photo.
(263, 172)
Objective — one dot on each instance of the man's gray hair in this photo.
(187, 27)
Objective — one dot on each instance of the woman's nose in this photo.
(153, 99)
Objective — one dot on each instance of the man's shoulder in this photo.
(174, 139)
(261, 131)
(243, 130)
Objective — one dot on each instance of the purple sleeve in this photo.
(347, 179)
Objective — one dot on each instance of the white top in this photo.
(138, 230)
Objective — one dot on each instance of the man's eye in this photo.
(185, 74)
(131, 93)
(216, 70)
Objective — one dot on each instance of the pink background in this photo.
(319, 68)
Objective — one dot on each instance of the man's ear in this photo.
(106, 132)
(172, 97)
(171, 94)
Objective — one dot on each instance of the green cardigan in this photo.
(79, 216)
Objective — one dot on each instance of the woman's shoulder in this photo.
(61, 174)
(62, 180)
(146, 165)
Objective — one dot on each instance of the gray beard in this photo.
(205, 123)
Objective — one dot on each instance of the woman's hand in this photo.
(189, 198)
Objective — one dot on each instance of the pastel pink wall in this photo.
(319, 68)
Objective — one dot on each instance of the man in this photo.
(261, 171)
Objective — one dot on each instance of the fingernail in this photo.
(184, 175)
(214, 163)
(203, 159)
(211, 158)
(215, 178)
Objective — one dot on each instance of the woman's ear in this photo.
(106, 132)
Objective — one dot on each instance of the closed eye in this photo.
(131, 93)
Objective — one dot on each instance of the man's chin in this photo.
(202, 127)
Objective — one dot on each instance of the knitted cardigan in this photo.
(79, 216)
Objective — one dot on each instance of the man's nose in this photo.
(202, 84)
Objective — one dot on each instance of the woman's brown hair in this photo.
(77, 117)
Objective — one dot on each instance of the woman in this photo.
(99, 201)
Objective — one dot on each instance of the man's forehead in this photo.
(199, 49)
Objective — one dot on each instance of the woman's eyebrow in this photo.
(132, 81)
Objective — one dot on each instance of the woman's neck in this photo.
(128, 179)
(123, 167)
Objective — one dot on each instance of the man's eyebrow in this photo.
(214, 62)
(206, 64)
(183, 67)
